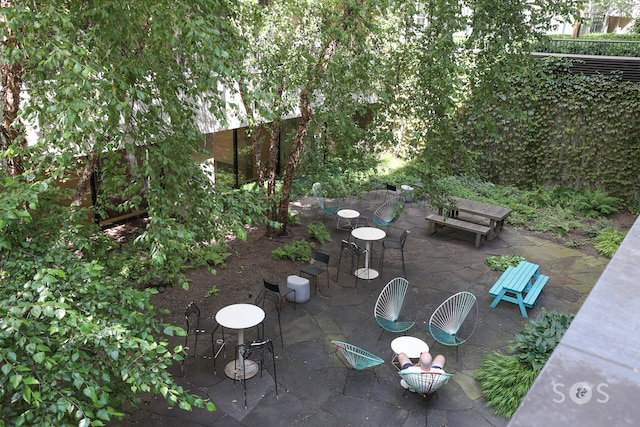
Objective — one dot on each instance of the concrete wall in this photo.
(593, 376)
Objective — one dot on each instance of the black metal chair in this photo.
(196, 328)
(314, 270)
(355, 252)
(258, 347)
(397, 244)
(390, 189)
(274, 292)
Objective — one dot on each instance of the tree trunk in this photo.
(254, 134)
(274, 136)
(274, 151)
(294, 157)
(11, 88)
(85, 179)
(577, 25)
(301, 134)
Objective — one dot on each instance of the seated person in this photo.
(425, 364)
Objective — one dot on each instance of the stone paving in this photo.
(311, 377)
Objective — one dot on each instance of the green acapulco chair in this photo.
(396, 310)
(357, 359)
(455, 320)
(388, 212)
(425, 383)
(328, 207)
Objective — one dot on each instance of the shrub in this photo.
(504, 382)
(319, 232)
(502, 262)
(608, 241)
(293, 219)
(540, 336)
(300, 250)
(596, 203)
(506, 379)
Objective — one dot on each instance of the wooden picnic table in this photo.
(495, 214)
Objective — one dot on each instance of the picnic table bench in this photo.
(523, 283)
(435, 221)
(495, 214)
(491, 219)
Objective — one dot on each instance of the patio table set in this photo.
(395, 311)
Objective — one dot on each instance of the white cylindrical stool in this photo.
(301, 287)
(407, 193)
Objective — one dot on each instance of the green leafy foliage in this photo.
(556, 219)
(536, 342)
(504, 382)
(596, 203)
(608, 241)
(213, 292)
(294, 219)
(299, 250)
(597, 46)
(506, 379)
(78, 338)
(319, 232)
(521, 142)
(502, 262)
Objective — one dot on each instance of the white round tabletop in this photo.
(348, 213)
(368, 233)
(411, 346)
(240, 316)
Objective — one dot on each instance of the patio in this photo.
(310, 376)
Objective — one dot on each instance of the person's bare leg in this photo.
(438, 361)
(403, 359)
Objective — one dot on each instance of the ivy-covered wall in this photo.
(553, 127)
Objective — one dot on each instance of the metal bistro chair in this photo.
(390, 189)
(357, 359)
(397, 244)
(192, 320)
(355, 252)
(274, 292)
(258, 347)
(425, 383)
(455, 320)
(314, 270)
(328, 207)
(396, 308)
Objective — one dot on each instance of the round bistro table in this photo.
(368, 235)
(346, 217)
(240, 317)
(411, 346)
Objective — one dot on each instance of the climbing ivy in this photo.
(558, 128)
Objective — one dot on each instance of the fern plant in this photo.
(596, 203)
(299, 250)
(319, 232)
(608, 241)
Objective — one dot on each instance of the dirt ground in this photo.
(251, 261)
(242, 279)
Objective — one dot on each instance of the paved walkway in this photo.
(311, 378)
